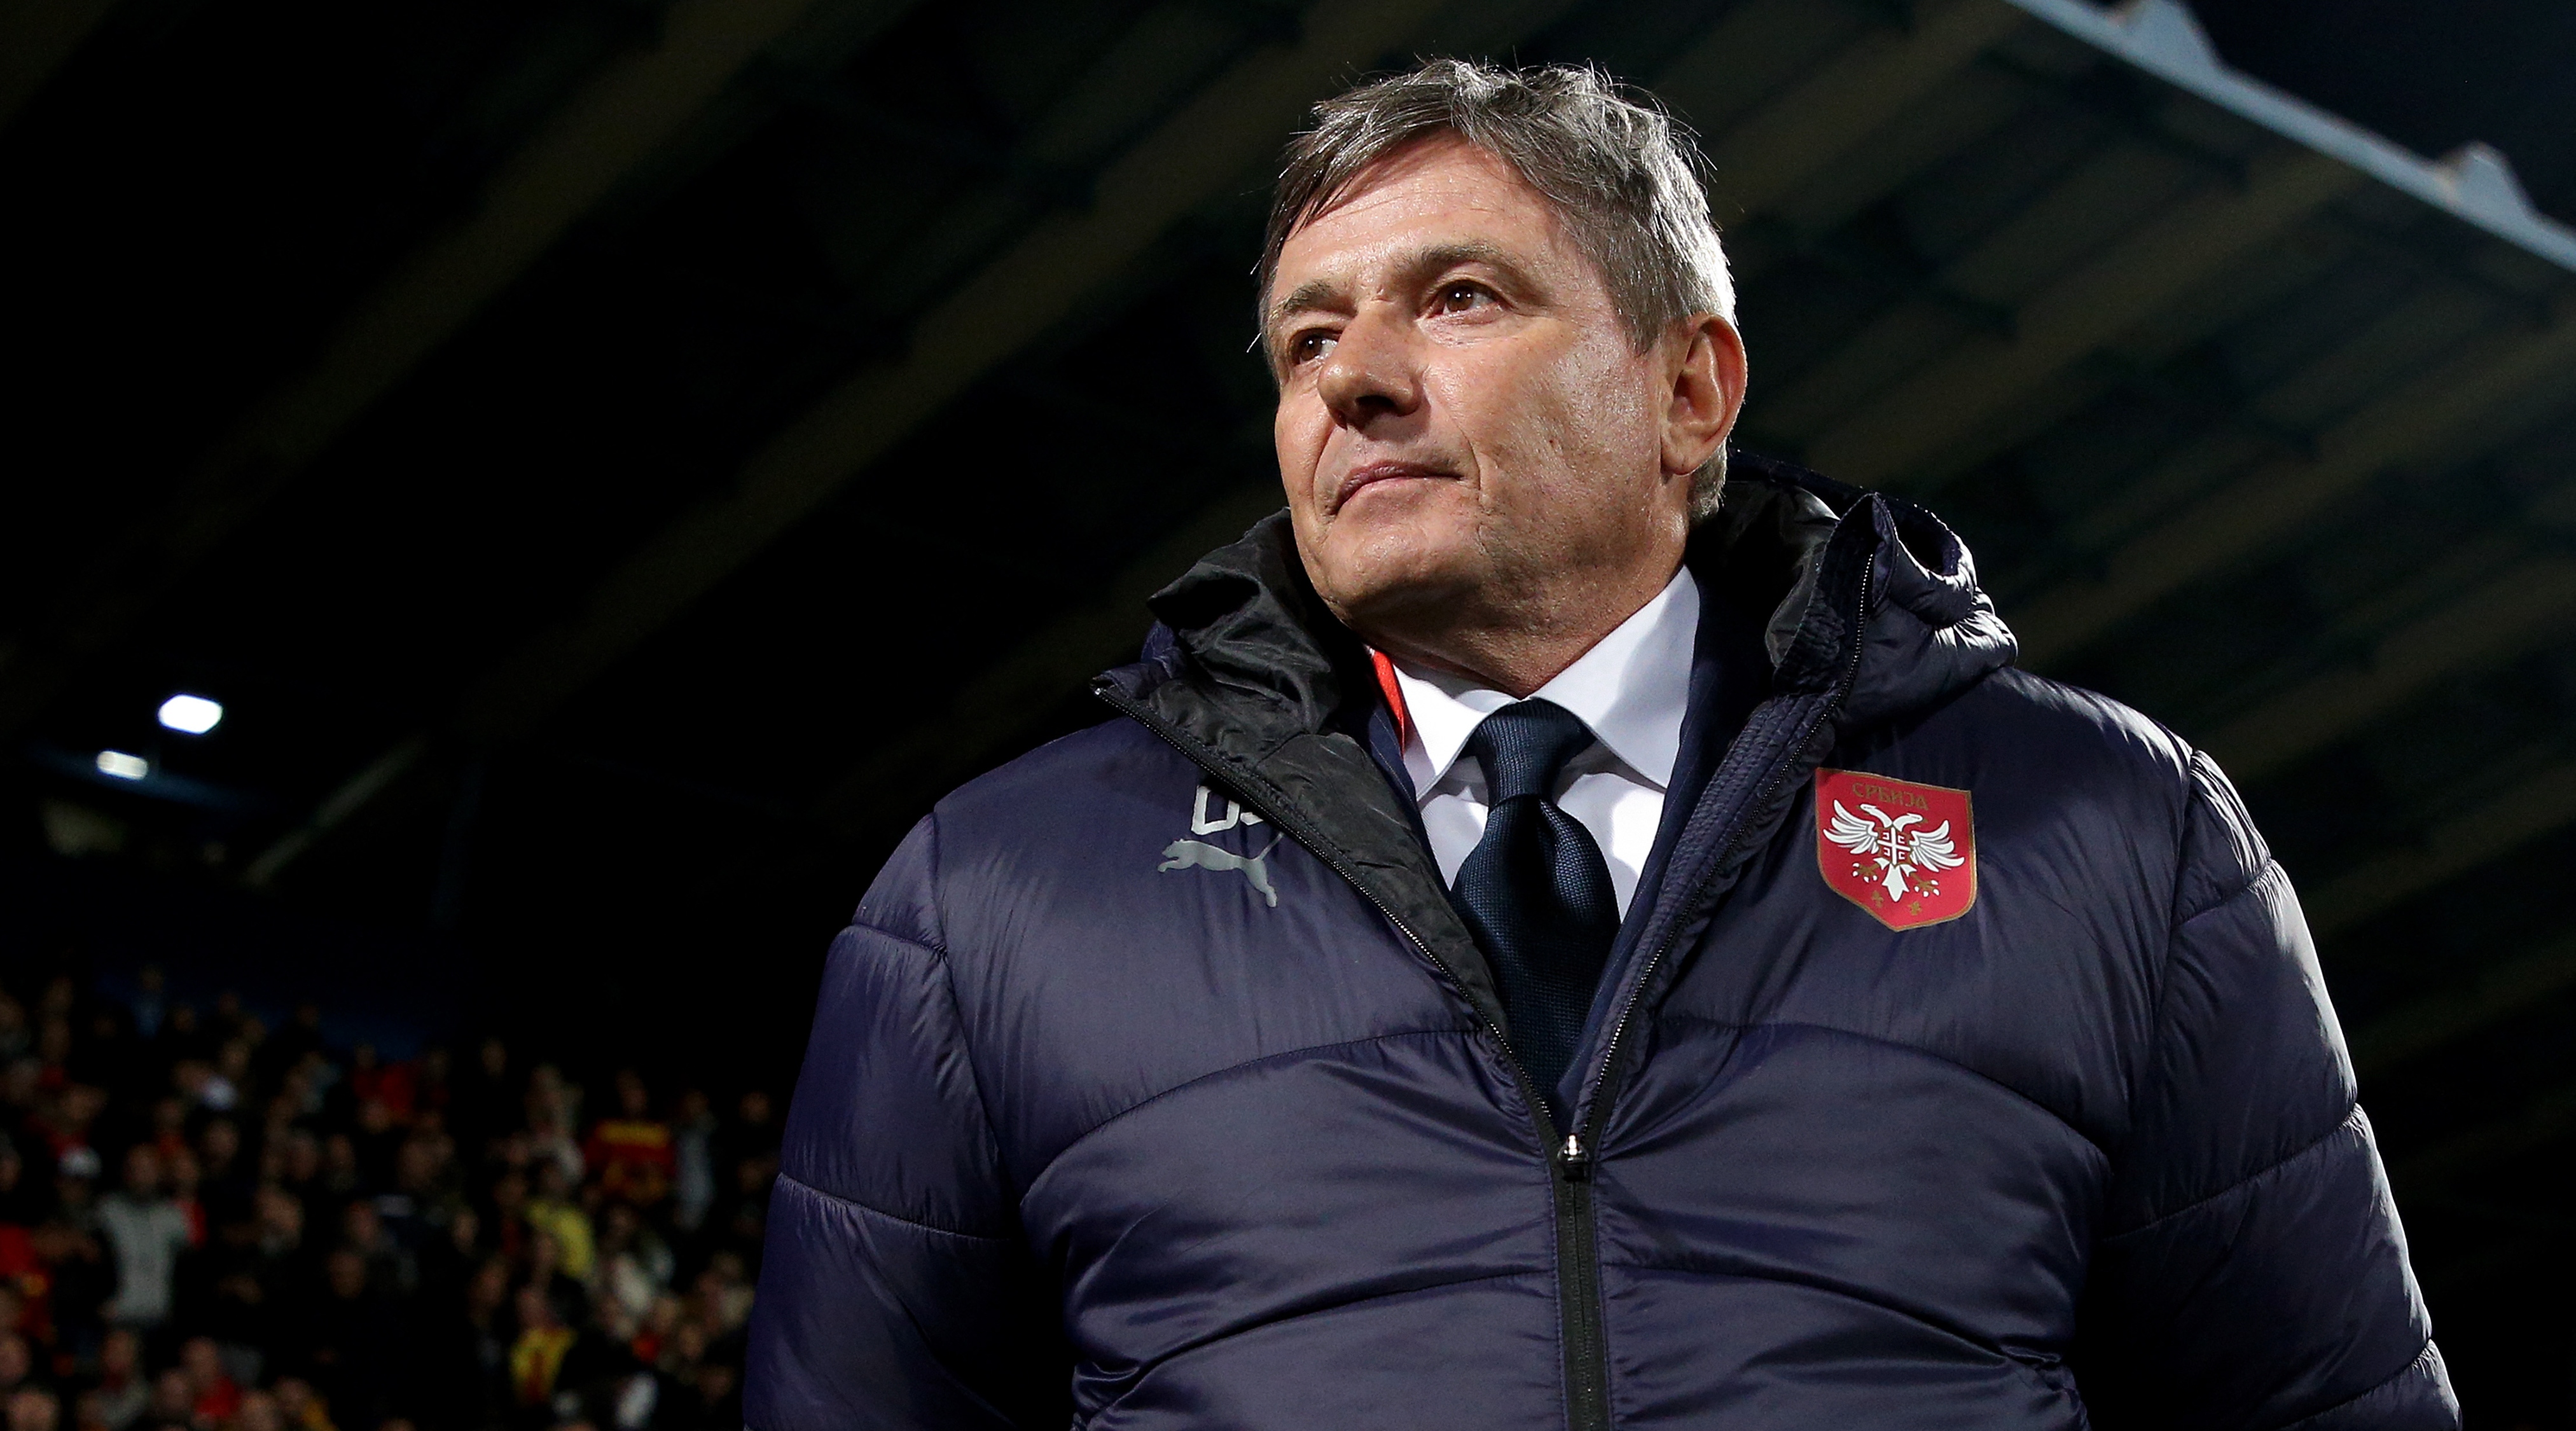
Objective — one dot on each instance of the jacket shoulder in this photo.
(1032, 794)
(2093, 747)
(2122, 742)
(1041, 838)
(1071, 772)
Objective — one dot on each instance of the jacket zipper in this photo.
(1580, 1256)
(1569, 1163)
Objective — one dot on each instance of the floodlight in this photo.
(191, 715)
(122, 765)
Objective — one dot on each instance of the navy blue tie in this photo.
(1535, 890)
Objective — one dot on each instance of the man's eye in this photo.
(1306, 347)
(1463, 297)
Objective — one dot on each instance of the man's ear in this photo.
(1705, 367)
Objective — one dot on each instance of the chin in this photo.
(1394, 578)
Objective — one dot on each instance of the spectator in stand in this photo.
(179, 1041)
(299, 1408)
(710, 1395)
(33, 1408)
(27, 1281)
(599, 1372)
(174, 1402)
(537, 1357)
(257, 1271)
(221, 1091)
(545, 1271)
(179, 1172)
(118, 1398)
(556, 1212)
(64, 1113)
(349, 1341)
(630, 1154)
(391, 1271)
(258, 1412)
(298, 1169)
(448, 1256)
(426, 1195)
(723, 1295)
(634, 1266)
(54, 1052)
(226, 1183)
(395, 1084)
(151, 1001)
(76, 1172)
(17, 1364)
(147, 1231)
(378, 1139)
(554, 1110)
(433, 1083)
(508, 1199)
(213, 1392)
(17, 1205)
(693, 1161)
(72, 1273)
(169, 1125)
(20, 1092)
(341, 1177)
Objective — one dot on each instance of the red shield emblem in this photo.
(1907, 853)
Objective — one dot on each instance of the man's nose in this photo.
(1371, 372)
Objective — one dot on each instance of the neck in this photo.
(1520, 645)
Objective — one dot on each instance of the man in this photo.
(1549, 944)
(629, 1152)
(147, 1230)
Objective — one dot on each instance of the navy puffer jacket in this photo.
(1158, 1084)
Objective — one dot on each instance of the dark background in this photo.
(592, 617)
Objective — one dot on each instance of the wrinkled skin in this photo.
(1485, 475)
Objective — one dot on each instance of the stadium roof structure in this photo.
(619, 462)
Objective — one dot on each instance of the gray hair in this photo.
(1621, 173)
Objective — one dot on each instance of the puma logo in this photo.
(1200, 855)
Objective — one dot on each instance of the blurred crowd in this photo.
(207, 1224)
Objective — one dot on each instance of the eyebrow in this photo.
(1322, 292)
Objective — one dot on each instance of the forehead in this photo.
(1433, 193)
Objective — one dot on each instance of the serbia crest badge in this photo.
(1907, 853)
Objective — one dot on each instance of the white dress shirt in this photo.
(1631, 688)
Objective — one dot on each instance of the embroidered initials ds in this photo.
(1907, 853)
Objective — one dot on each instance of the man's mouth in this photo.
(1375, 472)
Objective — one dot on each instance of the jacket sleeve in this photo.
(2251, 1272)
(895, 1288)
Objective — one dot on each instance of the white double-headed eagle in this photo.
(1896, 854)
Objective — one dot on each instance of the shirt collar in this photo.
(1631, 688)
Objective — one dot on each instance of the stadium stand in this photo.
(208, 1224)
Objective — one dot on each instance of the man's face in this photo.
(142, 1171)
(346, 1271)
(1463, 422)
